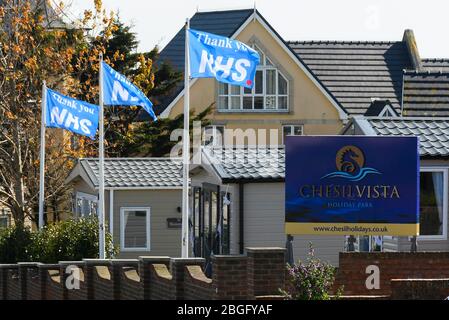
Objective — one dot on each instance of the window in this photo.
(291, 130)
(214, 136)
(85, 204)
(269, 93)
(135, 229)
(433, 203)
(4, 221)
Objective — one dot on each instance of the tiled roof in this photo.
(426, 94)
(436, 65)
(136, 172)
(224, 23)
(236, 164)
(433, 133)
(355, 72)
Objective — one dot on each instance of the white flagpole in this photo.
(42, 156)
(101, 168)
(186, 151)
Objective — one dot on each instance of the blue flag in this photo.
(74, 115)
(119, 91)
(225, 59)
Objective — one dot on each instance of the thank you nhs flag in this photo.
(225, 59)
(119, 91)
(74, 115)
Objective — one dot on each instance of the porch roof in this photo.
(132, 172)
(247, 164)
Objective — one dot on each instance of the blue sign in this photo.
(119, 91)
(352, 185)
(225, 59)
(74, 115)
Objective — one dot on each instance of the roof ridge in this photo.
(221, 10)
(408, 118)
(426, 73)
(436, 59)
(341, 42)
(131, 159)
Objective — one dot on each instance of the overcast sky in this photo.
(156, 22)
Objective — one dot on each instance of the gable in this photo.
(257, 30)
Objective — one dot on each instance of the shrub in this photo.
(69, 240)
(309, 280)
(15, 244)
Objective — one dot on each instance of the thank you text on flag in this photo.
(74, 115)
(227, 60)
(119, 91)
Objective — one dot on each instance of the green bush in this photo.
(310, 280)
(69, 240)
(15, 243)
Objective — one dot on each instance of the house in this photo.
(433, 135)
(238, 201)
(301, 88)
(320, 86)
(142, 202)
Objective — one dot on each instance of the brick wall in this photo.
(13, 284)
(266, 271)
(230, 275)
(196, 285)
(419, 289)
(148, 278)
(392, 265)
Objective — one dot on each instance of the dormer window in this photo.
(269, 93)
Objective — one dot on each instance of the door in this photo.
(211, 221)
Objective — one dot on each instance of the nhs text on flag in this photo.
(119, 91)
(74, 115)
(225, 59)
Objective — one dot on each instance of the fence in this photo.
(259, 273)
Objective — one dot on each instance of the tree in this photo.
(29, 54)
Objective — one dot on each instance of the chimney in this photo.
(412, 48)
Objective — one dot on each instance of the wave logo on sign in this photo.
(350, 163)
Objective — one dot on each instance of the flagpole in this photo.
(101, 168)
(42, 156)
(186, 151)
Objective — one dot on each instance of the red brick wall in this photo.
(53, 285)
(102, 283)
(234, 277)
(420, 289)
(33, 290)
(266, 271)
(230, 276)
(130, 288)
(392, 265)
(196, 285)
(162, 284)
(14, 291)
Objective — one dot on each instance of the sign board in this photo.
(174, 223)
(352, 185)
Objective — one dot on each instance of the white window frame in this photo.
(264, 67)
(122, 229)
(84, 196)
(7, 218)
(292, 130)
(445, 202)
(387, 109)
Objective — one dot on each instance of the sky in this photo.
(156, 22)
